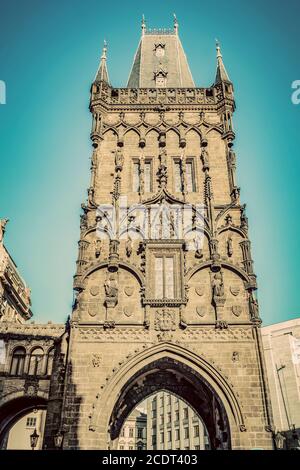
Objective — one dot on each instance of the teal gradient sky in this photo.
(48, 59)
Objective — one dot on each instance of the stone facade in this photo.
(162, 302)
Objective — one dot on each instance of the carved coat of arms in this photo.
(164, 320)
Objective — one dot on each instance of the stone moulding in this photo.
(141, 335)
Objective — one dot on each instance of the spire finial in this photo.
(104, 50)
(143, 24)
(175, 23)
(218, 48)
(221, 75)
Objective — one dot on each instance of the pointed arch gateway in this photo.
(174, 369)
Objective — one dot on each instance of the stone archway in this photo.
(15, 409)
(175, 377)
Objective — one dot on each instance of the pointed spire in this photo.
(102, 73)
(175, 24)
(221, 74)
(143, 25)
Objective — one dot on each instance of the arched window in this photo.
(36, 362)
(50, 361)
(18, 361)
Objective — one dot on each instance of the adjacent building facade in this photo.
(165, 286)
(133, 435)
(282, 352)
(172, 424)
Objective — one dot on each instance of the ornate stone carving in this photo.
(237, 310)
(201, 310)
(96, 359)
(3, 223)
(128, 247)
(229, 247)
(234, 290)
(128, 311)
(221, 324)
(199, 290)
(94, 290)
(164, 320)
(129, 290)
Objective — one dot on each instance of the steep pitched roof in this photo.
(102, 73)
(221, 74)
(160, 54)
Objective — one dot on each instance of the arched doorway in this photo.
(171, 375)
(13, 410)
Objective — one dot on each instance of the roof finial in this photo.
(104, 50)
(143, 25)
(175, 23)
(221, 75)
(218, 48)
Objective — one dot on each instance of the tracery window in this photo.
(18, 361)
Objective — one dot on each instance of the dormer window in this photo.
(159, 50)
(160, 79)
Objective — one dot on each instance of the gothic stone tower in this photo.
(165, 283)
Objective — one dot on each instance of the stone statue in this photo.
(128, 247)
(98, 247)
(205, 159)
(3, 223)
(254, 309)
(119, 159)
(218, 286)
(111, 286)
(198, 247)
(231, 157)
(229, 247)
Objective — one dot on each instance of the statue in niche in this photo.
(231, 157)
(128, 247)
(205, 158)
(254, 307)
(198, 247)
(98, 247)
(229, 247)
(3, 223)
(119, 159)
(111, 286)
(218, 286)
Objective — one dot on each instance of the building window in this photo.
(140, 447)
(169, 417)
(190, 177)
(185, 413)
(169, 436)
(148, 176)
(36, 362)
(196, 431)
(177, 434)
(18, 361)
(197, 447)
(153, 413)
(161, 401)
(176, 415)
(140, 433)
(169, 400)
(130, 447)
(123, 432)
(162, 437)
(177, 176)
(31, 422)
(121, 447)
(164, 277)
(154, 404)
(136, 177)
(186, 433)
(130, 432)
(154, 439)
(161, 419)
